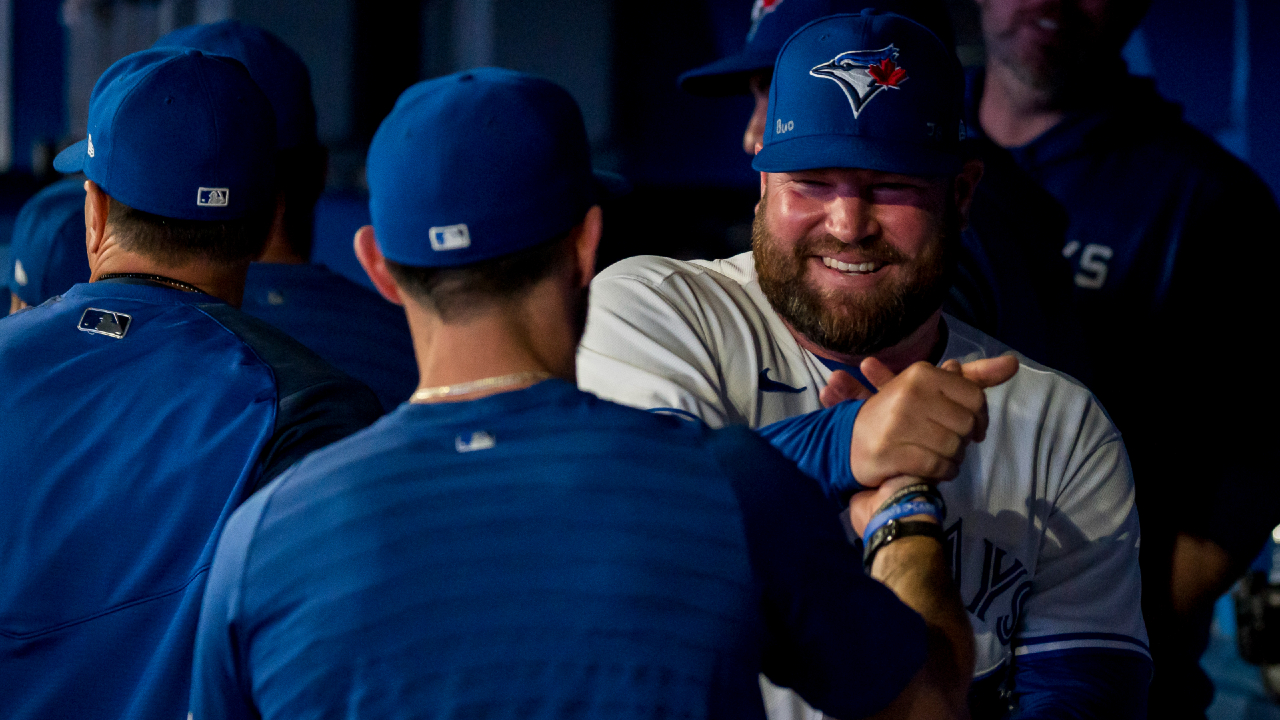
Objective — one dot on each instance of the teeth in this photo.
(1047, 24)
(844, 267)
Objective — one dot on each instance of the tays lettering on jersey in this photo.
(1000, 574)
(1092, 273)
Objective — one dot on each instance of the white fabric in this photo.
(1042, 531)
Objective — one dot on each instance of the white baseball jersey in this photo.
(1041, 531)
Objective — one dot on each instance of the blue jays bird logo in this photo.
(862, 74)
(758, 11)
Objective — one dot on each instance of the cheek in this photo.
(910, 230)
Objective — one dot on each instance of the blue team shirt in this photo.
(543, 554)
(350, 326)
(122, 457)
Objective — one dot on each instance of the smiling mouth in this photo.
(863, 268)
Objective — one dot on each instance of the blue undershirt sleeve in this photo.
(818, 443)
(1079, 684)
(219, 686)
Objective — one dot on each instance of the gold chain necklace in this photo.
(489, 383)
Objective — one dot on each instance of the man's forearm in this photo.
(915, 570)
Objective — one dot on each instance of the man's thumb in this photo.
(876, 372)
(990, 372)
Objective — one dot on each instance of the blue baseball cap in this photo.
(278, 70)
(873, 90)
(479, 164)
(181, 134)
(48, 253)
(773, 21)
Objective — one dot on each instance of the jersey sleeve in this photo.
(818, 443)
(220, 687)
(1086, 590)
(841, 640)
(645, 346)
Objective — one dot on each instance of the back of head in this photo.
(184, 145)
(283, 77)
(773, 21)
(873, 90)
(48, 256)
(475, 181)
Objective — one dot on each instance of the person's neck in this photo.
(278, 251)
(498, 343)
(919, 345)
(1013, 113)
(225, 282)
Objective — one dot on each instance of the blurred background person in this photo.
(48, 254)
(1149, 198)
(348, 325)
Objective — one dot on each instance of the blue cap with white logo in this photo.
(48, 253)
(278, 70)
(873, 90)
(181, 134)
(773, 21)
(476, 165)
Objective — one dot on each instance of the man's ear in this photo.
(375, 265)
(587, 244)
(965, 185)
(96, 207)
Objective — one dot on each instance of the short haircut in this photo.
(456, 293)
(300, 175)
(173, 242)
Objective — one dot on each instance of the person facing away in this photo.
(141, 408)
(348, 325)
(864, 191)
(47, 255)
(505, 545)
(1007, 232)
(1148, 198)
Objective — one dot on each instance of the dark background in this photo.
(694, 188)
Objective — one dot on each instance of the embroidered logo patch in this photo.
(213, 197)
(450, 237)
(90, 144)
(105, 322)
(862, 74)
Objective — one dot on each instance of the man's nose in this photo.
(850, 219)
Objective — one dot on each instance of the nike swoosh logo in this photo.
(767, 385)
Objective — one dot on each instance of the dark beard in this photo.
(855, 324)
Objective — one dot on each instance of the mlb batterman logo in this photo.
(450, 237)
(862, 74)
(213, 197)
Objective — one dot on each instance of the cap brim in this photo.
(72, 159)
(827, 151)
(726, 76)
(610, 185)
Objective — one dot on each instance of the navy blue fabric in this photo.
(122, 459)
(349, 326)
(542, 554)
(818, 443)
(1081, 685)
(1148, 198)
(180, 134)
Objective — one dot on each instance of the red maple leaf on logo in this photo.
(887, 73)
